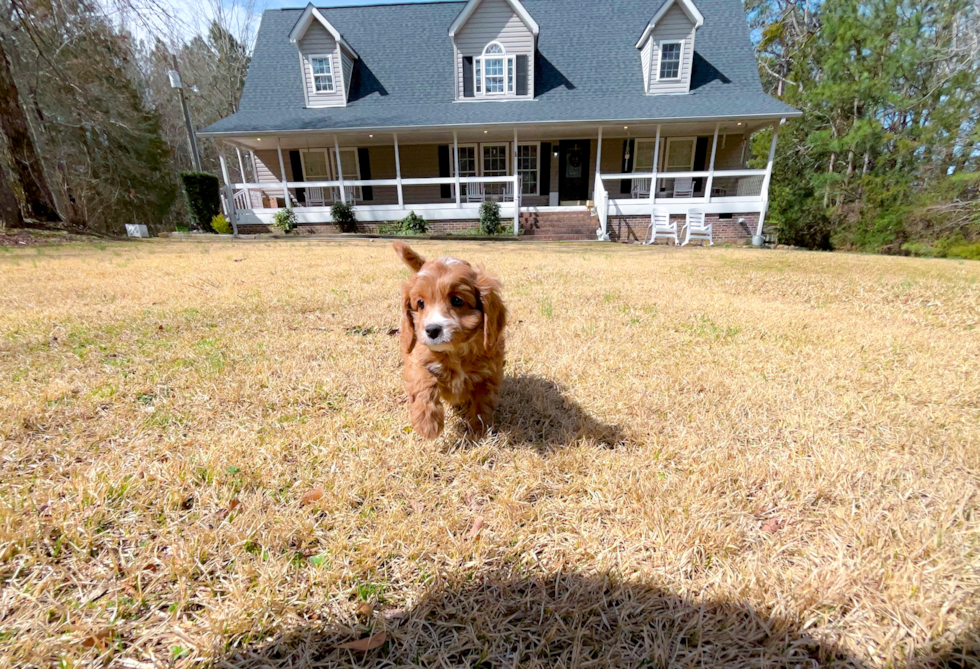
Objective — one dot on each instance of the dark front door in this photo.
(573, 170)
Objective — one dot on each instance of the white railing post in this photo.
(656, 164)
(598, 155)
(340, 170)
(517, 190)
(765, 180)
(229, 190)
(456, 169)
(282, 171)
(398, 173)
(711, 165)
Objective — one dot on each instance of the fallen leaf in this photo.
(364, 610)
(394, 614)
(366, 644)
(239, 259)
(313, 495)
(475, 530)
(96, 639)
(773, 525)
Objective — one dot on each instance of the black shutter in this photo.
(296, 165)
(700, 160)
(544, 164)
(445, 190)
(467, 76)
(522, 75)
(367, 192)
(626, 185)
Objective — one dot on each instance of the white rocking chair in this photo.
(697, 228)
(684, 187)
(661, 226)
(315, 198)
(641, 188)
(349, 191)
(475, 193)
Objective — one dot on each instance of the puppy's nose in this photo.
(433, 331)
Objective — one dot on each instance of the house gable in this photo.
(504, 24)
(667, 48)
(322, 49)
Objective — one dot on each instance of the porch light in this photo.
(484, 132)
(370, 135)
(739, 123)
(626, 127)
(258, 139)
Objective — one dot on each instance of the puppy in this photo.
(452, 341)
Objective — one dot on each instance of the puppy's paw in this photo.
(428, 421)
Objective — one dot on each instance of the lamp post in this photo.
(175, 82)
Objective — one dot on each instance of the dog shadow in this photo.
(535, 411)
(563, 620)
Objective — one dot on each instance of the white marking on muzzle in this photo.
(447, 327)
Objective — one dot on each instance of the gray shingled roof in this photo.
(588, 69)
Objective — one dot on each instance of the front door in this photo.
(573, 171)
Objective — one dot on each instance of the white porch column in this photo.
(340, 170)
(241, 163)
(456, 168)
(711, 165)
(765, 180)
(517, 191)
(282, 171)
(598, 155)
(656, 163)
(398, 173)
(229, 191)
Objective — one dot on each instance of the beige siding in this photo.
(729, 154)
(645, 63)
(318, 41)
(267, 166)
(348, 65)
(494, 20)
(674, 25)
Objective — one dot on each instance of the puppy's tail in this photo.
(408, 256)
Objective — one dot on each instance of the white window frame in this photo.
(357, 163)
(694, 148)
(537, 167)
(508, 166)
(477, 154)
(326, 160)
(660, 57)
(329, 58)
(508, 74)
(636, 151)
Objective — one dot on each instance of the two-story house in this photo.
(580, 114)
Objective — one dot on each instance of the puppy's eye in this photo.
(456, 301)
(421, 305)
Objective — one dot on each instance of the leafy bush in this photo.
(490, 218)
(285, 220)
(221, 225)
(344, 216)
(413, 224)
(947, 247)
(203, 197)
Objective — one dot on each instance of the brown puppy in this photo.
(452, 341)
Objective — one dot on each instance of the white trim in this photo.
(514, 4)
(357, 167)
(455, 164)
(537, 166)
(694, 148)
(302, 68)
(711, 165)
(304, 22)
(313, 75)
(686, 5)
(660, 57)
(398, 173)
(764, 191)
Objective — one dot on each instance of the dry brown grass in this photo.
(703, 458)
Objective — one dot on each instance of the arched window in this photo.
(494, 71)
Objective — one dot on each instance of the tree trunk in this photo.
(39, 202)
(9, 211)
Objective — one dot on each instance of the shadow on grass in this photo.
(535, 411)
(564, 621)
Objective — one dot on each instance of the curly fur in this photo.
(452, 341)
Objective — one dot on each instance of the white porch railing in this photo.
(601, 199)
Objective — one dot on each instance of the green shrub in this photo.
(221, 225)
(344, 216)
(947, 247)
(413, 224)
(203, 197)
(285, 220)
(490, 218)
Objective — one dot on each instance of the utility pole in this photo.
(175, 82)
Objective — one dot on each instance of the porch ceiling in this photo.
(470, 135)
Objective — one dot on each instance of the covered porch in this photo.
(604, 174)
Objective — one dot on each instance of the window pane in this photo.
(510, 75)
(494, 48)
(527, 167)
(315, 165)
(321, 66)
(348, 162)
(643, 155)
(495, 161)
(680, 155)
(494, 74)
(479, 80)
(670, 61)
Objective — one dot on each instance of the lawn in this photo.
(703, 457)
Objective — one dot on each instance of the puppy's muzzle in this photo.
(433, 331)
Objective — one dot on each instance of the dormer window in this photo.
(494, 71)
(670, 60)
(322, 73)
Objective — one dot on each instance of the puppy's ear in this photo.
(408, 323)
(494, 311)
(408, 256)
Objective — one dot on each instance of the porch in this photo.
(607, 178)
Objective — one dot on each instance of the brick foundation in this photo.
(632, 229)
(368, 227)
